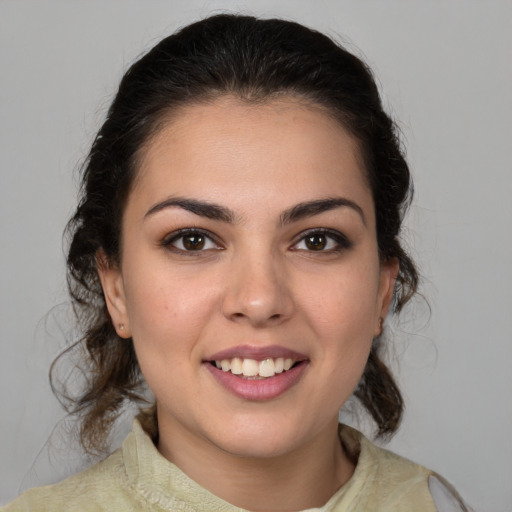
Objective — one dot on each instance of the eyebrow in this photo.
(201, 208)
(221, 213)
(310, 208)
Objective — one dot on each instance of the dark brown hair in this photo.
(254, 60)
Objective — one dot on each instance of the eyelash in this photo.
(169, 241)
(341, 242)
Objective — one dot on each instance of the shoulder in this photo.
(386, 481)
(101, 487)
(379, 464)
(445, 497)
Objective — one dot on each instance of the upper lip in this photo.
(257, 353)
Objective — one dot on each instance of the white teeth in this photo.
(252, 368)
(236, 366)
(267, 368)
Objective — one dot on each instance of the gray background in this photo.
(445, 72)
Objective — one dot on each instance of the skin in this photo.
(255, 282)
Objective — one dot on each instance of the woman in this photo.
(236, 247)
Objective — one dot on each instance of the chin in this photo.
(260, 439)
(252, 448)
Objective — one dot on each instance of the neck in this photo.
(304, 478)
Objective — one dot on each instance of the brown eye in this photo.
(193, 242)
(322, 240)
(190, 240)
(316, 242)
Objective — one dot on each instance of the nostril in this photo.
(258, 306)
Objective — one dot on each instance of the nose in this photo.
(258, 291)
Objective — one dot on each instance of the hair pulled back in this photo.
(254, 60)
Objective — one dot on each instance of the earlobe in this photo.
(388, 274)
(113, 290)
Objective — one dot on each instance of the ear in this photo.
(388, 274)
(113, 289)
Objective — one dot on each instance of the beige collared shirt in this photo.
(137, 478)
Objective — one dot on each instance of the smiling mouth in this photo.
(257, 373)
(253, 369)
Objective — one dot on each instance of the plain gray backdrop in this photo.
(445, 71)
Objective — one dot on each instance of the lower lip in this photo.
(259, 389)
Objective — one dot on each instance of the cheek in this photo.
(167, 318)
(166, 310)
(343, 301)
(342, 310)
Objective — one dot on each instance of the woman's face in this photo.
(250, 279)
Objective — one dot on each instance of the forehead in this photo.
(283, 150)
